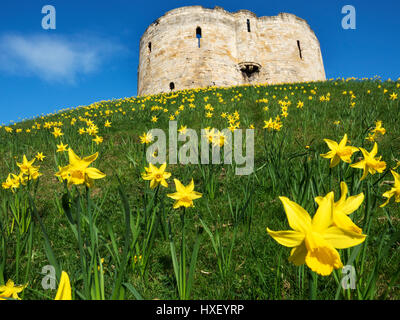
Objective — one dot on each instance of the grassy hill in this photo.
(119, 238)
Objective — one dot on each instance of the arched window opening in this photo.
(198, 34)
(172, 86)
(299, 47)
(248, 25)
(149, 46)
(250, 70)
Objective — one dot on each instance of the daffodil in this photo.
(40, 156)
(92, 130)
(343, 207)
(146, 138)
(64, 288)
(98, 139)
(156, 175)
(209, 133)
(395, 191)
(184, 196)
(370, 164)
(218, 138)
(314, 241)
(182, 129)
(78, 171)
(12, 182)
(10, 290)
(269, 124)
(378, 128)
(57, 132)
(62, 147)
(339, 151)
(27, 168)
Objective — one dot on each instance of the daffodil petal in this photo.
(94, 173)
(287, 238)
(351, 204)
(333, 145)
(64, 289)
(342, 239)
(323, 217)
(344, 222)
(334, 161)
(298, 218)
(298, 255)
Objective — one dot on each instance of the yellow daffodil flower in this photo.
(378, 128)
(339, 151)
(182, 129)
(77, 172)
(314, 241)
(184, 196)
(40, 156)
(27, 168)
(62, 147)
(57, 132)
(146, 138)
(9, 290)
(98, 139)
(395, 191)
(370, 164)
(156, 175)
(12, 182)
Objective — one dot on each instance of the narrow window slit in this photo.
(299, 47)
(248, 25)
(172, 86)
(149, 46)
(198, 34)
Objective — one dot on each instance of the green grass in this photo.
(287, 163)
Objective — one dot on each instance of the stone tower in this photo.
(194, 47)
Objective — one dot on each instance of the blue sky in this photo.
(92, 54)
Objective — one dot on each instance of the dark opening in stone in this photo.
(198, 35)
(171, 86)
(198, 32)
(250, 70)
(299, 47)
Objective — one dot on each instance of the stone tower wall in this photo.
(277, 49)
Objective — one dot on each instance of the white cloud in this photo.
(55, 58)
